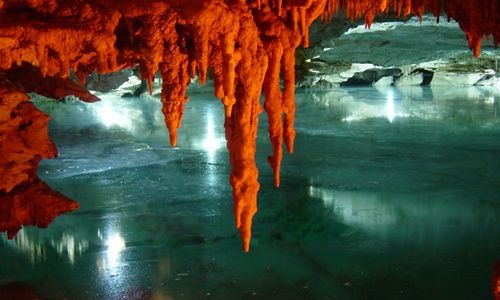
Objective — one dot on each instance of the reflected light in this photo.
(325, 195)
(68, 245)
(495, 104)
(211, 144)
(22, 242)
(36, 247)
(112, 115)
(390, 106)
(367, 211)
(115, 244)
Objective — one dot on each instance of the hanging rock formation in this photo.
(24, 141)
(247, 45)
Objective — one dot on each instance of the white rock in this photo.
(491, 81)
(455, 79)
(344, 76)
(384, 81)
(489, 72)
(409, 80)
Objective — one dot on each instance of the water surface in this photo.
(390, 194)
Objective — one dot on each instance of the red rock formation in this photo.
(24, 138)
(24, 141)
(247, 45)
(33, 204)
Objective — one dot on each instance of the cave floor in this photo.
(390, 194)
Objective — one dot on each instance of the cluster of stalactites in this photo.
(216, 41)
(283, 26)
(477, 18)
(290, 22)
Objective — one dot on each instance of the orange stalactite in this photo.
(242, 126)
(332, 6)
(231, 58)
(288, 101)
(304, 30)
(273, 106)
(275, 34)
(280, 44)
(477, 18)
(175, 81)
(247, 46)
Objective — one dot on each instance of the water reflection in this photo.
(390, 106)
(428, 218)
(115, 245)
(382, 206)
(36, 245)
(23, 243)
(211, 143)
(70, 247)
(495, 106)
(421, 102)
(365, 211)
(116, 115)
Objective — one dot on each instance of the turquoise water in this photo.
(390, 194)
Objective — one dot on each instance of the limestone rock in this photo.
(384, 81)
(410, 80)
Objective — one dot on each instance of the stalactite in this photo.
(273, 106)
(288, 66)
(245, 45)
(175, 79)
(332, 6)
(242, 126)
(477, 18)
(231, 58)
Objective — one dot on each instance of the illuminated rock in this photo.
(247, 45)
